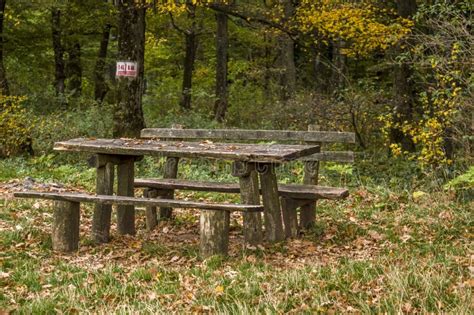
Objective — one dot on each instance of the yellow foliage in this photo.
(439, 108)
(363, 27)
(15, 125)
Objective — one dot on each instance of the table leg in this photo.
(249, 194)
(125, 213)
(102, 212)
(271, 202)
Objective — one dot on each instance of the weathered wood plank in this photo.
(122, 200)
(296, 191)
(65, 235)
(103, 213)
(125, 213)
(214, 233)
(242, 135)
(267, 153)
(271, 203)
(331, 156)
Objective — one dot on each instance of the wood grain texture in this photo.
(170, 171)
(150, 211)
(331, 156)
(271, 204)
(290, 217)
(227, 151)
(214, 233)
(103, 213)
(296, 191)
(249, 194)
(242, 135)
(65, 233)
(121, 200)
(125, 212)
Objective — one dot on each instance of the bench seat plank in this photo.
(296, 191)
(122, 200)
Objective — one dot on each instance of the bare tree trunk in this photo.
(74, 67)
(287, 56)
(101, 88)
(59, 73)
(189, 60)
(128, 116)
(403, 87)
(339, 64)
(222, 42)
(4, 89)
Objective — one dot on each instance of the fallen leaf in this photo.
(4, 275)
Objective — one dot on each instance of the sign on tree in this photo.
(127, 69)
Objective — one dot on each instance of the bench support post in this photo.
(102, 213)
(271, 202)
(308, 211)
(65, 234)
(125, 213)
(150, 211)
(249, 194)
(170, 171)
(290, 217)
(214, 232)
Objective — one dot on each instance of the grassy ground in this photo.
(377, 251)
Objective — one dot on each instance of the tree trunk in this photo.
(339, 69)
(403, 88)
(222, 41)
(101, 88)
(59, 73)
(189, 59)
(191, 45)
(74, 68)
(4, 90)
(128, 115)
(287, 56)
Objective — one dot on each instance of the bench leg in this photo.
(290, 218)
(308, 212)
(249, 194)
(170, 171)
(214, 225)
(65, 234)
(308, 215)
(102, 213)
(125, 213)
(271, 203)
(150, 212)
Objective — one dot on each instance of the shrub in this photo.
(16, 124)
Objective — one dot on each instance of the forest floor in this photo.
(370, 253)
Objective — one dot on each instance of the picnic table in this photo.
(250, 162)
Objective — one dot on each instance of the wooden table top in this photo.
(228, 151)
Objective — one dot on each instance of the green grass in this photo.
(379, 251)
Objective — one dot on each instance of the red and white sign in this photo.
(127, 69)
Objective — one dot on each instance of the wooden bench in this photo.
(293, 196)
(214, 238)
